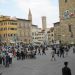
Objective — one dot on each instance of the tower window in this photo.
(66, 1)
(70, 28)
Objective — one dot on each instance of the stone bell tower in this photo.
(44, 22)
(30, 16)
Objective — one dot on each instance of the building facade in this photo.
(14, 30)
(50, 33)
(41, 36)
(8, 30)
(67, 21)
(37, 35)
(34, 34)
(24, 31)
(57, 32)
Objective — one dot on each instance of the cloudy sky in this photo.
(20, 9)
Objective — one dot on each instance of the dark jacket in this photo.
(66, 71)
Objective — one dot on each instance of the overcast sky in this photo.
(20, 8)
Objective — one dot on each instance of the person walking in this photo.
(3, 58)
(43, 51)
(73, 49)
(39, 51)
(53, 55)
(0, 58)
(22, 55)
(66, 70)
(11, 56)
(18, 55)
(7, 60)
(62, 51)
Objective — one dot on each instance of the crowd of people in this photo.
(6, 56)
(60, 51)
(25, 52)
(29, 52)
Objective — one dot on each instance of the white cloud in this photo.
(39, 8)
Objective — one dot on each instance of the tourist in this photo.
(53, 55)
(66, 70)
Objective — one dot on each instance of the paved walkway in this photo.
(42, 65)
